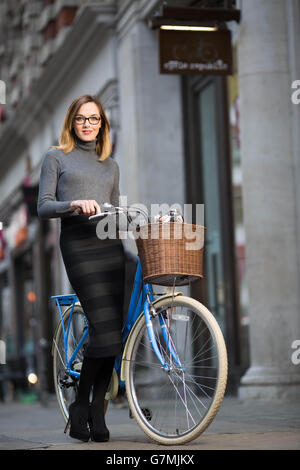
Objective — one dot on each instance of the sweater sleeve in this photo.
(48, 207)
(116, 191)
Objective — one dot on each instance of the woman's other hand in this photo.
(86, 206)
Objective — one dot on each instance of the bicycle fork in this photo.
(149, 311)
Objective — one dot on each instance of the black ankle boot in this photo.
(78, 421)
(98, 429)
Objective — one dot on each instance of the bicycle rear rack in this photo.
(65, 299)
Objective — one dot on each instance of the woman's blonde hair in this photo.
(67, 140)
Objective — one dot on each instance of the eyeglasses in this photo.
(93, 120)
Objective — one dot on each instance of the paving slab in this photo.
(237, 426)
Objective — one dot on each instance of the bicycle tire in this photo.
(162, 423)
(65, 394)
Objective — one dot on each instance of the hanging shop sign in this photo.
(195, 52)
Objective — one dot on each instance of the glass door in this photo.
(209, 182)
(208, 144)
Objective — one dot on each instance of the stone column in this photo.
(152, 164)
(270, 203)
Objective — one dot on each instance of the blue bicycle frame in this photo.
(141, 298)
(66, 300)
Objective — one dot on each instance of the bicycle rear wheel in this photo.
(175, 406)
(64, 383)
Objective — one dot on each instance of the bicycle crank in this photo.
(66, 382)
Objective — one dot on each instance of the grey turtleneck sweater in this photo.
(66, 177)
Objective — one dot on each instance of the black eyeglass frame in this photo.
(84, 119)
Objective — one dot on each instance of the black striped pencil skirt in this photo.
(96, 271)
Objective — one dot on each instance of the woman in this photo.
(76, 177)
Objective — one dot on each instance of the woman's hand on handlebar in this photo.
(86, 206)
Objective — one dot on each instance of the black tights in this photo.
(96, 373)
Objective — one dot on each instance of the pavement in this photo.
(237, 426)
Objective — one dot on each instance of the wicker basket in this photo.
(171, 253)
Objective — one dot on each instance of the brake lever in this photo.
(100, 215)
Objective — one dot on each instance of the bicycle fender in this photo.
(124, 356)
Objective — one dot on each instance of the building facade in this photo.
(228, 142)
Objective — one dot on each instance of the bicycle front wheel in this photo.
(174, 405)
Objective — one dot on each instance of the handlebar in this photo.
(109, 209)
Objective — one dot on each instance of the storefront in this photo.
(212, 159)
(26, 282)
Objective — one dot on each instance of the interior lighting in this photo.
(188, 28)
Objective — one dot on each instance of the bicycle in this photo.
(173, 365)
